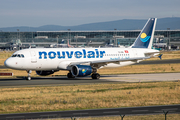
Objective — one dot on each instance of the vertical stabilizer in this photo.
(145, 38)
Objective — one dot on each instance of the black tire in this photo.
(92, 76)
(69, 75)
(28, 78)
(95, 76)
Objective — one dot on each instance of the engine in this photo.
(81, 70)
(44, 73)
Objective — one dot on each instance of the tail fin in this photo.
(145, 38)
(62, 42)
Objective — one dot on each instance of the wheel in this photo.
(92, 76)
(69, 75)
(28, 78)
(95, 76)
(29, 73)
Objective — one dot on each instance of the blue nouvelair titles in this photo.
(69, 54)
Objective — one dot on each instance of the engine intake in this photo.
(81, 70)
(44, 73)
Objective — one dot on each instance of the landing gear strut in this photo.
(69, 75)
(29, 75)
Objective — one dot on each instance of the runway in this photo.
(146, 110)
(63, 80)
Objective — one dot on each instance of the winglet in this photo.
(160, 56)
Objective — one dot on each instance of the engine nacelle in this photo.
(81, 70)
(44, 73)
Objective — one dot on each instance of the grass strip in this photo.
(94, 96)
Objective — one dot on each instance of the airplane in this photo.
(81, 62)
(61, 45)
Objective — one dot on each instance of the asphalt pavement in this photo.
(63, 80)
(147, 110)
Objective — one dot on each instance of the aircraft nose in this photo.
(8, 63)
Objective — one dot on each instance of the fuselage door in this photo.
(33, 57)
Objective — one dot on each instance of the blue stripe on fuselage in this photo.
(77, 54)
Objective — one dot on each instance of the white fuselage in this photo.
(60, 58)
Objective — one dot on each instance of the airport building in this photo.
(166, 39)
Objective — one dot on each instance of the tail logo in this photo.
(144, 37)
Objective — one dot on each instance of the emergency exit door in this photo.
(33, 57)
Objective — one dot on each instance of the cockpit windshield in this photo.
(18, 55)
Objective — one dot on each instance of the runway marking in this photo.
(79, 113)
(49, 115)
(158, 111)
(111, 112)
(140, 110)
(15, 117)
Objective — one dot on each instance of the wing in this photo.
(99, 63)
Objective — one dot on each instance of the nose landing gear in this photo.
(29, 75)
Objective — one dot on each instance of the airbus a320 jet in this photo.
(82, 62)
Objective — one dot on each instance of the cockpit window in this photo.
(14, 55)
(18, 55)
(22, 55)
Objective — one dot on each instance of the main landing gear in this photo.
(29, 75)
(95, 76)
(69, 75)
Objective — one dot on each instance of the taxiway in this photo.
(63, 80)
(146, 110)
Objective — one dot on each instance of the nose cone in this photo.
(6, 63)
(9, 63)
